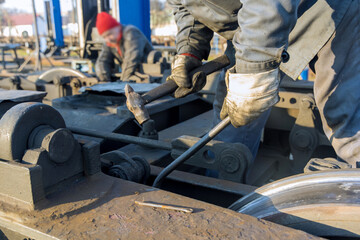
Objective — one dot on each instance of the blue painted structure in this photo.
(304, 74)
(137, 13)
(56, 22)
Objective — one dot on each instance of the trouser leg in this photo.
(248, 135)
(337, 87)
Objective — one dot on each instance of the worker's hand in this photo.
(322, 164)
(180, 69)
(249, 95)
(198, 82)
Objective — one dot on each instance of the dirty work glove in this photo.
(249, 95)
(180, 69)
(321, 164)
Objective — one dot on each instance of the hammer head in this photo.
(135, 104)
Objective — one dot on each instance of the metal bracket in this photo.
(305, 136)
(231, 160)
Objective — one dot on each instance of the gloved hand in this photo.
(180, 69)
(321, 164)
(249, 95)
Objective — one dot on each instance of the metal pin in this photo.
(155, 205)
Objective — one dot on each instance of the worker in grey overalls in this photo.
(266, 40)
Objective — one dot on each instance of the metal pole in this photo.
(191, 151)
(38, 65)
(122, 138)
(100, 6)
(81, 25)
(115, 11)
(57, 23)
(139, 15)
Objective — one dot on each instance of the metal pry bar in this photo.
(165, 206)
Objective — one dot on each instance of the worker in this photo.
(125, 43)
(271, 39)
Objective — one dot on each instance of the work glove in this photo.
(321, 164)
(249, 95)
(180, 69)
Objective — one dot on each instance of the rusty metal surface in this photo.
(103, 207)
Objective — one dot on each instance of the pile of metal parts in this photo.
(61, 81)
(57, 82)
(85, 163)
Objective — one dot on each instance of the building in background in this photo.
(22, 25)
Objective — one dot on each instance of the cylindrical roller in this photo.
(17, 124)
(135, 169)
(59, 143)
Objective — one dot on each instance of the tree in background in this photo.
(160, 13)
(5, 19)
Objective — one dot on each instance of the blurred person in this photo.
(125, 43)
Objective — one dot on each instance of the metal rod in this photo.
(38, 65)
(122, 138)
(165, 206)
(191, 151)
(100, 6)
(81, 26)
(170, 86)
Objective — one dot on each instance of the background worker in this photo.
(272, 39)
(126, 43)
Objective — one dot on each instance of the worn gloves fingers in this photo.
(180, 69)
(198, 82)
(243, 110)
(249, 95)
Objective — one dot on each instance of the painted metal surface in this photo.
(137, 13)
(56, 22)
